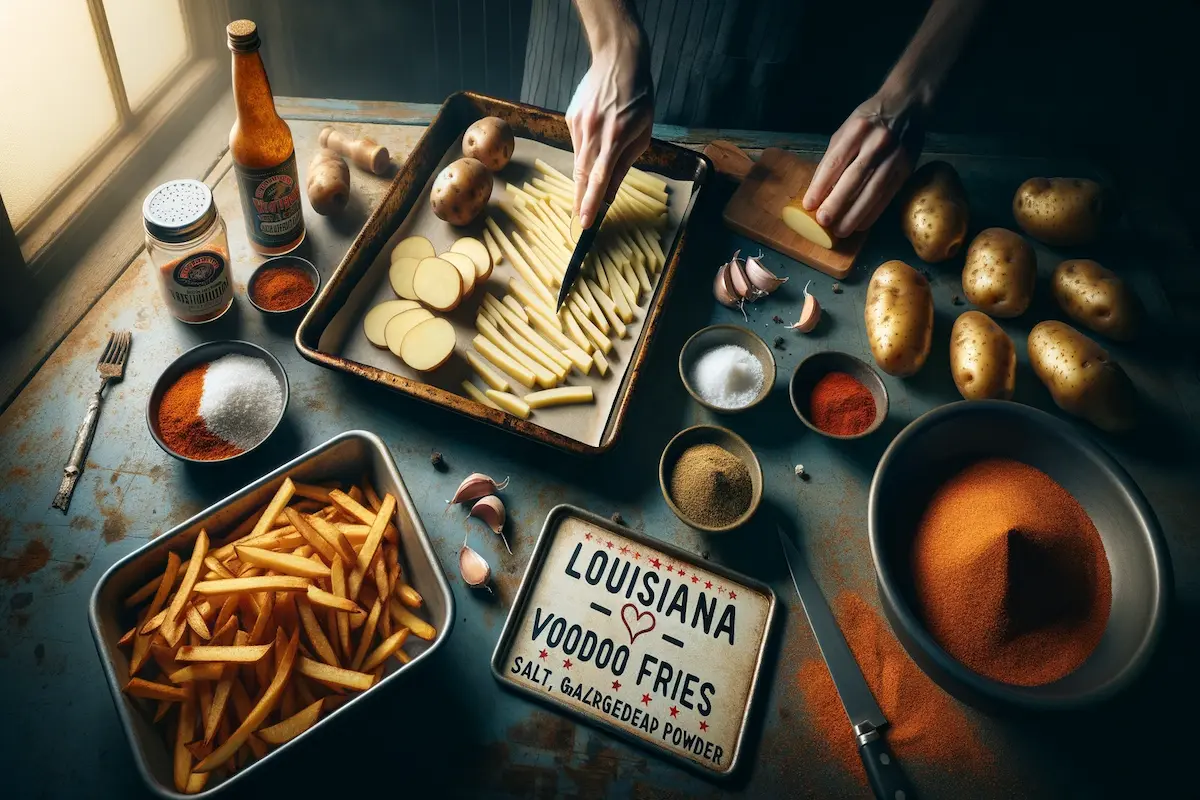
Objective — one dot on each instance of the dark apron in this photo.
(716, 63)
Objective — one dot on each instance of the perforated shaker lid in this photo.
(179, 210)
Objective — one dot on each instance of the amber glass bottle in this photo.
(264, 157)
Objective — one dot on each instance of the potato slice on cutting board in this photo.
(478, 253)
(417, 247)
(438, 284)
(428, 345)
(400, 274)
(804, 223)
(399, 325)
(465, 267)
(378, 317)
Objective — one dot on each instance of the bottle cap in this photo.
(178, 211)
(243, 36)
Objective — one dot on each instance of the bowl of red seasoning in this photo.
(283, 284)
(838, 395)
(217, 401)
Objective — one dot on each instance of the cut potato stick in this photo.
(371, 545)
(137, 687)
(175, 610)
(601, 362)
(293, 726)
(334, 676)
(368, 633)
(632, 281)
(610, 310)
(546, 328)
(282, 497)
(617, 278)
(563, 395)
(185, 729)
(518, 262)
(197, 623)
(494, 251)
(312, 630)
(197, 672)
(514, 322)
(643, 279)
(534, 353)
(598, 316)
(490, 376)
(336, 539)
(286, 563)
(352, 507)
(597, 269)
(385, 650)
(497, 357)
(514, 307)
(527, 296)
(543, 376)
(153, 620)
(324, 599)
(539, 269)
(245, 654)
(476, 394)
(599, 339)
(419, 627)
(305, 528)
(337, 582)
(575, 332)
(648, 246)
(509, 402)
(408, 595)
(216, 568)
(311, 491)
(259, 583)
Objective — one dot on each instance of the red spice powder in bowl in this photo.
(283, 284)
(838, 395)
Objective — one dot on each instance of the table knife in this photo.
(887, 780)
(583, 246)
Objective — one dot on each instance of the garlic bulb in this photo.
(474, 569)
(490, 509)
(762, 278)
(474, 486)
(810, 314)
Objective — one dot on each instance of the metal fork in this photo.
(111, 368)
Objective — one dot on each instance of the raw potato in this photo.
(1000, 273)
(466, 269)
(400, 274)
(1096, 298)
(899, 318)
(428, 345)
(417, 247)
(478, 253)
(802, 221)
(1080, 376)
(328, 182)
(461, 191)
(1064, 212)
(509, 402)
(560, 396)
(438, 284)
(983, 360)
(934, 212)
(379, 316)
(491, 141)
(399, 326)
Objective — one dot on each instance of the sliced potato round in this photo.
(379, 316)
(478, 253)
(401, 276)
(428, 345)
(437, 284)
(465, 267)
(399, 326)
(417, 247)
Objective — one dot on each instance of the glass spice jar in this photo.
(187, 244)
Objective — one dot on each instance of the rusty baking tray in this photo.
(638, 637)
(413, 177)
(347, 456)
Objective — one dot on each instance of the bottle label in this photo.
(198, 286)
(271, 203)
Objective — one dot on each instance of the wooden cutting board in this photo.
(766, 187)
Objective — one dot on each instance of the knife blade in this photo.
(583, 246)
(883, 771)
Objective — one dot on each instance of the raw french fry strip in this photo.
(544, 377)
(476, 394)
(509, 317)
(610, 310)
(533, 352)
(601, 362)
(502, 361)
(560, 396)
(490, 376)
(494, 251)
(523, 269)
(509, 402)
(601, 341)
(527, 296)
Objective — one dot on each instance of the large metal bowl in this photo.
(940, 443)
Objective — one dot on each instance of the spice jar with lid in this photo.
(186, 241)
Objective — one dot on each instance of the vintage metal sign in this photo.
(635, 636)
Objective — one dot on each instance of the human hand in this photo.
(610, 118)
(869, 158)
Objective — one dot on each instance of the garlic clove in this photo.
(474, 486)
(490, 509)
(810, 314)
(762, 278)
(473, 568)
(741, 283)
(723, 288)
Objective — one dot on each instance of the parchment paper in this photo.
(585, 423)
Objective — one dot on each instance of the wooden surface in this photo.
(754, 211)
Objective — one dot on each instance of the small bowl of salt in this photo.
(727, 368)
(217, 401)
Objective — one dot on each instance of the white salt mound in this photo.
(728, 376)
(241, 400)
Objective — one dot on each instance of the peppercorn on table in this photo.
(450, 730)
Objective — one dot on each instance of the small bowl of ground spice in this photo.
(710, 478)
(283, 284)
(727, 368)
(838, 395)
(217, 401)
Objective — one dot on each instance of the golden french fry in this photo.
(371, 545)
(243, 706)
(175, 610)
(261, 583)
(420, 628)
(243, 654)
(324, 599)
(137, 687)
(216, 713)
(381, 654)
(330, 533)
(408, 595)
(282, 497)
(127, 637)
(316, 636)
(217, 567)
(315, 539)
(338, 584)
(368, 633)
(285, 563)
(184, 731)
(335, 676)
(196, 623)
(292, 726)
(196, 672)
(160, 596)
(311, 491)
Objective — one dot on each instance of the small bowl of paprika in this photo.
(838, 395)
(283, 285)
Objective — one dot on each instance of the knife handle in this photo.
(887, 780)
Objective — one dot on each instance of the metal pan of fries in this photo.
(265, 615)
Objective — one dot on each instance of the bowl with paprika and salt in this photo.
(283, 285)
(710, 478)
(1019, 565)
(838, 395)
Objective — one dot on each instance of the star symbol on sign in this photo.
(637, 555)
(703, 725)
(670, 568)
(587, 536)
(609, 545)
(646, 699)
(695, 579)
(732, 594)
(616, 684)
(623, 550)
(543, 655)
(683, 572)
(567, 664)
(708, 584)
(655, 563)
(674, 711)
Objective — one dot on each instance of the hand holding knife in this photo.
(584, 237)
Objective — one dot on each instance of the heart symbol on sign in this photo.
(633, 621)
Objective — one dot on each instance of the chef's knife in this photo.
(583, 246)
(884, 773)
